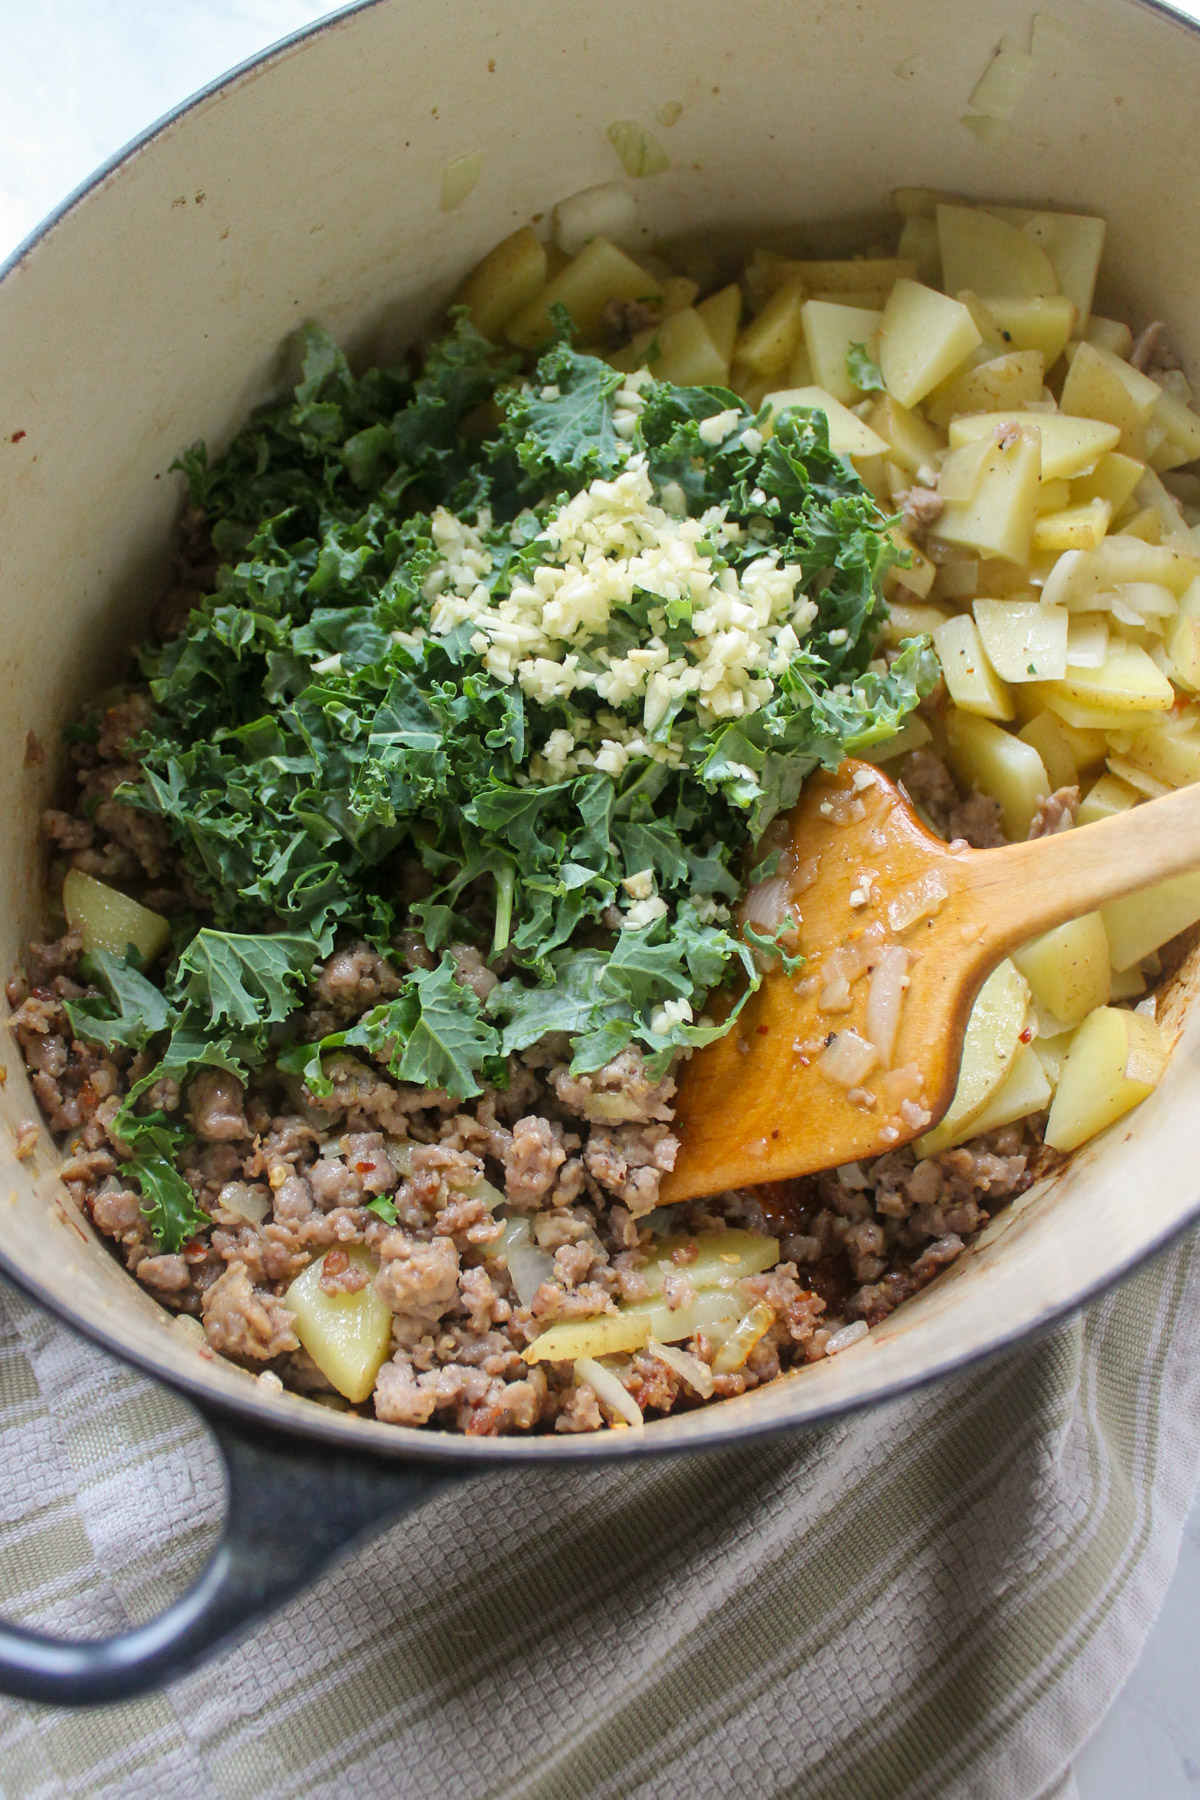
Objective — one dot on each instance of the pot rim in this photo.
(374, 1437)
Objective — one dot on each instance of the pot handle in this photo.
(290, 1513)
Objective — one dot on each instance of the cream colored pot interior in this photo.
(152, 312)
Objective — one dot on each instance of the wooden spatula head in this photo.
(771, 1099)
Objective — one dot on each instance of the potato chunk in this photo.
(984, 756)
(722, 313)
(848, 434)
(1013, 380)
(1101, 386)
(1116, 1058)
(1068, 969)
(599, 273)
(982, 252)
(1025, 1089)
(1069, 446)
(347, 1335)
(998, 518)
(830, 330)
(110, 920)
(508, 278)
(923, 338)
(993, 1034)
(973, 683)
(1042, 324)
(1140, 923)
(1024, 640)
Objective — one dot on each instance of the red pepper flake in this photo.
(16, 437)
(762, 1030)
(364, 1168)
(1026, 1036)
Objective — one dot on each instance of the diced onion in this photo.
(1001, 87)
(848, 1059)
(641, 154)
(849, 1334)
(899, 1085)
(885, 997)
(742, 1339)
(249, 1203)
(459, 178)
(918, 901)
(528, 1267)
(689, 1368)
(607, 1388)
(765, 905)
(608, 211)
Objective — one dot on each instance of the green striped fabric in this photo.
(937, 1598)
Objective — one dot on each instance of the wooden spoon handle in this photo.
(1025, 889)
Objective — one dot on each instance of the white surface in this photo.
(77, 80)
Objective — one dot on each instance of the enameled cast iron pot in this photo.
(149, 312)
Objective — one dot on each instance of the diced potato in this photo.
(829, 332)
(1053, 496)
(1145, 524)
(989, 1048)
(1112, 335)
(913, 443)
(1013, 380)
(110, 920)
(1069, 445)
(909, 618)
(1052, 1053)
(923, 338)
(768, 343)
(1024, 640)
(348, 1336)
(1183, 651)
(994, 340)
(722, 313)
(998, 519)
(599, 273)
(800, 371)
(1025, 1089)
(972, 682)
(678, 293)
(984, 756)
(686, 353)
(1068, 969)
(1075, 528)
(1043, 324)
(848, 434)
(919, 244)
(1127, 682)
(1113, 479)
(508, 278)
(1078, 578)
(1087, 640)
(982, 252)
(1147, 785)
(1182, 428)
(718, 1255)
(857, 275)
(1048, 736)
(1168, 750)
(1109, 795)
(911, 736)
(1145, 921)
(608, 1334)
(917, 575)
(1099, 386)
(1115, 1060)
(715, 1311)
(1072, 241)
(1127, 984)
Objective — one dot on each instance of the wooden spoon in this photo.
(759, 1104)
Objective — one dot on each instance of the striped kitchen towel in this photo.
(937, 1598)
